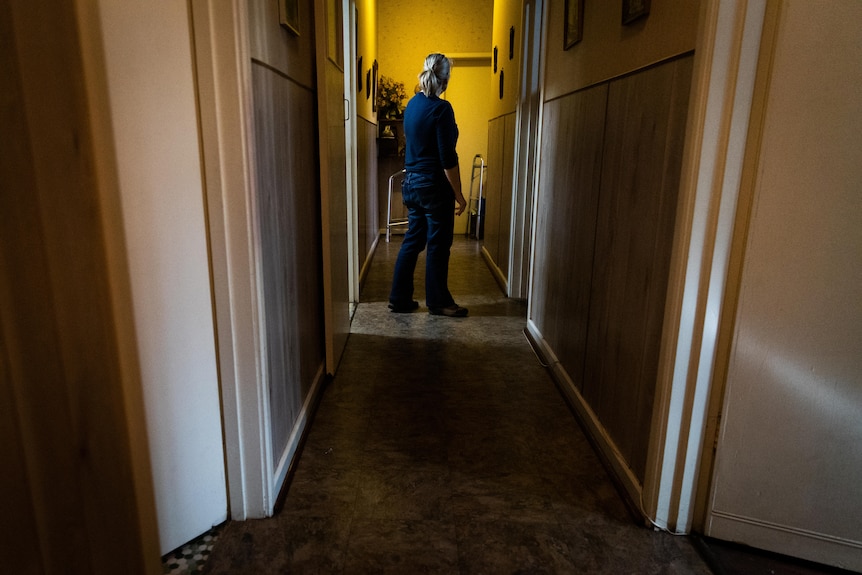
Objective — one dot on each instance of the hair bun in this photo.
(435, 74)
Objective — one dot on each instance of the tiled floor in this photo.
(442, 446)
(191, 557)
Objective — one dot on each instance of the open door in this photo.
(329, 48)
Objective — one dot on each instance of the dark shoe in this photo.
(403, 307)
(453, 310)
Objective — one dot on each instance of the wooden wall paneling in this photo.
(290, 245)
(270, 126)
(271, 43)
(491, 219)
(305, 220)
(642, 152)
(372, 211)
(60, 365)
(571, 176)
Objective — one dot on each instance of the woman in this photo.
(431, 187)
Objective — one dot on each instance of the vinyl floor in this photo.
(443, 446)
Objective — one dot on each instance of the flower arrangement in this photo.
(390, 97)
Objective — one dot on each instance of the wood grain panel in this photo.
(306, 219)
(367, 193)
(278, 48)
(494, 186)
(637, 207)
(290, 249)
(570, 176)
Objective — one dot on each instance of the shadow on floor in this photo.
(443, 446)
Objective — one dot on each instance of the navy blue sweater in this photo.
(431, 134)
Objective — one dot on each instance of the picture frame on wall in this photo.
(288, 15)
(635, 10)
(374, 69)
(573, 29)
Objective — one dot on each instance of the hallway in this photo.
(442, 446)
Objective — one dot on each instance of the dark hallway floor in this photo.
(443, 446)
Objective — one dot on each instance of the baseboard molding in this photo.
(498, 274)
(596, 432)
(366, 267)
(788, 540)
(288, 459)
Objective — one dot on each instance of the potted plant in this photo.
(390, 98)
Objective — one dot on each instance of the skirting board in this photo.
(502, 280)
(597, 433)
(366, 267)
(778, 538)
(300, 428)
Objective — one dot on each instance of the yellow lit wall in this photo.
(507, 16)
(409, 30)
(366, 49)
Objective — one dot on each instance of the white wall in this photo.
(152, 106)
(789, 457)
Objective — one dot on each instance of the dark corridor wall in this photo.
(288, 211)
(497, 218)
(611, 160)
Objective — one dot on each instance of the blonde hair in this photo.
(435, 74)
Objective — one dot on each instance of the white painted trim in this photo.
(351, 145)
(527, 143)
(225, 104)
(829, 550)
(495, 270)
(722, 92)
(599, 435)
(538, 170)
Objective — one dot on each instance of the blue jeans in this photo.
(431, 221)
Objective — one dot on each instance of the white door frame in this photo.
(527, 139)
(726, 60)
(350, 125)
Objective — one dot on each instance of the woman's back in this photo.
(431, 135)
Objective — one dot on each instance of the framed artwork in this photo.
(374, 68)
(634, 9)
(288, 15)
(574, 23)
